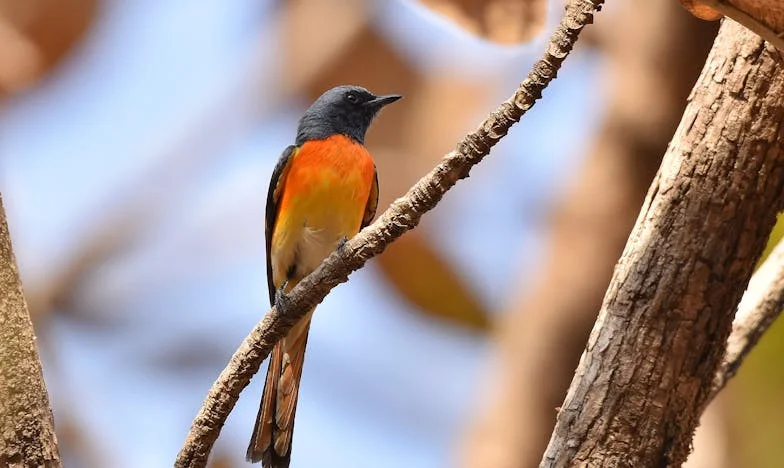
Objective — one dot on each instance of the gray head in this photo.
(343, 110)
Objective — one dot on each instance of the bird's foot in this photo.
(342, 243)
(282, 300)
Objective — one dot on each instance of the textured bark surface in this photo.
(27, 435)
(544, 332)
(403, 215)
(648, 368)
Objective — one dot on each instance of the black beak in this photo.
(382, 101)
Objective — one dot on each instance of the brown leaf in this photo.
(425, 278)
(503, 21)
(700, 10)
(223, 459)
(768, 13)
(304, 59)
(35, 35)
(368, 60)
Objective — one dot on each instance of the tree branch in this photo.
(764, 17)
(540, 339)
(403, 214)
(27, 435)
(649, 365)
(760, 307)
(764, 31)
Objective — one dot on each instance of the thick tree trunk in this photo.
(647, 371)
(542, 336)
(27, 437)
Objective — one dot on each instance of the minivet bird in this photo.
(323, 190)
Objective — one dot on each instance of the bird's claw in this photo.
(342, 242)
(281, 298)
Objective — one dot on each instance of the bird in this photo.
(323, 191)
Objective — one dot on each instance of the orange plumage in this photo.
(326, 190)
(327, 186)
(323, 190)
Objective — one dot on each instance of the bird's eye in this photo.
(352, 98)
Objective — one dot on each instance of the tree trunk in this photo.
(647, 371)
(542, 336)
(27, 435)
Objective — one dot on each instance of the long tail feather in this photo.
(274, 429)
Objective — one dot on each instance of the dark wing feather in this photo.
(372, 203)
(273, 198)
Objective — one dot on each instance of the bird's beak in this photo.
(382, 101)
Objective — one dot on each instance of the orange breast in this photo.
(324, 197)
(329, 176)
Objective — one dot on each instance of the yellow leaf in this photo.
(426, 279)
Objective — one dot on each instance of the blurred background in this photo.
(137, 138)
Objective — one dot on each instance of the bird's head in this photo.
(343, 110)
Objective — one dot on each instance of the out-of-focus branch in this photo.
(760, 307)
(27, 435)
(650, 363)
(404, 214)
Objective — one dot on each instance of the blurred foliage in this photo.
(775, 237)
(758, 392)
(503, 21)
(35, 35)
(38, 35)
(426, 278)
(403, 153)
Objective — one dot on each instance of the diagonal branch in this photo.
(760, 306)
(404, 214)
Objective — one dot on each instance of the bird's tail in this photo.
(274, 429)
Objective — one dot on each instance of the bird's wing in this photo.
(372, 203)
(277, 182)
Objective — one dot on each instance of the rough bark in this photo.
(544, 332)
(27, 435)
(649, 365)
(403, 215)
